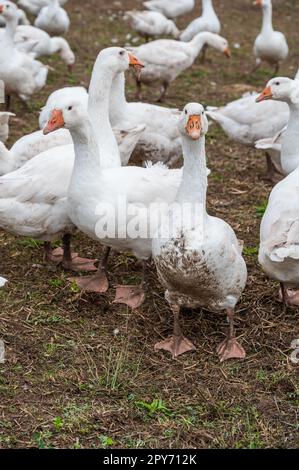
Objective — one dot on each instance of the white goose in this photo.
(170, 8)
(208, 21)
(53, 19)
(286, 90)
(4, 125)
(21, 73)
(199, 262)
(165, 59)
(151, 24)
(270, 46)
(35, 6)
(38, 43)
(33, 198)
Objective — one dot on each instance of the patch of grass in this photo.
(260, 209)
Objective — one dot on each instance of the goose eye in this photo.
(70, 108)
(121, 52)
(186, 112)
(277, 83)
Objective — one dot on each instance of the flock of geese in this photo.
(58, 179)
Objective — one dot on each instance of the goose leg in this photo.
(270, 175)
(276, 68)
(70, 261)
(230, 348)
(132, 296)
(257, 66)
(98, 282)
(176, 344)
(289, 297)
(161, 98)
(7, 102)
(138, 95)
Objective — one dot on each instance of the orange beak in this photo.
(138, 66)
(227, 52)
(1, 9)
(55, 122)
(135, 62)
(193, 127)
(265, 95)
(258, 2)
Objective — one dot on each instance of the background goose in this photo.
(208, 21)
(270, 46)
(165, 59)
(170, 8)
(4, 125)
(53, 19)
(21, 73)
(35, 6)
(38, 43)
(151, 24)
(200, 263)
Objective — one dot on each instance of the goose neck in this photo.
(193, 187)
(267, 19)
(207, 7)
(10, 29)
(87, 164)
(98, 110)
(198, 42)
(118, 102)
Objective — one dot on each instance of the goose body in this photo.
(53, 19)
(270, 46)
(170, 8)
(208, 21)
(21, 73)
(4, 125)
(246, 121)
(38, 43)
(152, 24)
(200, 262)
(165, 59)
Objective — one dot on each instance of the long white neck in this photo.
(118, 102)
(193, 187)
(267, 19)
(10, 30)
(58, 44)
(197, 43)
(98, 110)
(87, 166)
(54, 4)
(290, 142)
(207, 7)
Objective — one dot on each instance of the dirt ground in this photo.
(81, 371)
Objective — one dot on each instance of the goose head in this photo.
(262, 3)
(70, 115)
(119, 59)
(280, 89)
(8, 10)
(218, 42)
(193, 122)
